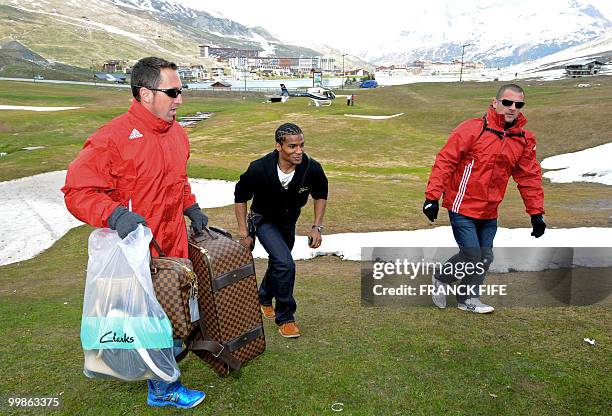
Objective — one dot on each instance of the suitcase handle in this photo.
(197, 237)
(158, 248)
(220, 231)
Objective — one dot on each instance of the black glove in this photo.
(199, 220)
(124, 221)
(430, 209)
(538, 224)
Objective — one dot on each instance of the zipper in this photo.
(191, 276)
(208, 262)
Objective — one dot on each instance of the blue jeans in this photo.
(279, 279)
(475, 240)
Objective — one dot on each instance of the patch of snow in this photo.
(374, 117)
(348, 245)
(215, 13)
(89, 23)
(213, 193)
(34, 215)
(233, 36)
(268, 48)
(589, 165)
(137, 5)
(32, 108)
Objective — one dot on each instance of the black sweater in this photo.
(276, 204)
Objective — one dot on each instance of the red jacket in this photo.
(472, 169)
(136, 157)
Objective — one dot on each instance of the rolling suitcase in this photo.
(230, 329)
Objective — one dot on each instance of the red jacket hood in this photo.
(497, 121)
(148, 118)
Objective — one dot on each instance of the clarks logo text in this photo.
(107, 338)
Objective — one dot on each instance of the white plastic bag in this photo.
(125, 334)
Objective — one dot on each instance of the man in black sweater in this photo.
(279, 184)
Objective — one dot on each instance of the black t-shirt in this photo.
(275, 203)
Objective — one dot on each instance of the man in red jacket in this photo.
(471, 172)
(133, 171)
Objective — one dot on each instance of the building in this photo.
(282, 65)
(217, 72)
(443, 67)
(207, 51)
(327, 63)
(360, 72)
(115, 65)
(221, 85)
(185, 73)
(199, 72)
(119, 78)
(583, 67)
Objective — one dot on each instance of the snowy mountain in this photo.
(82, 31)
(496, 32)
(198, 19)
(552, 67)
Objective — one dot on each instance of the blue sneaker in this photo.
(173, 394)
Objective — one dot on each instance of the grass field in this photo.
(374, 360)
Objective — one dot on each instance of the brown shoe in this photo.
(289, 330)
(267, 311)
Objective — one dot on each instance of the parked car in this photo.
(370, 83)
(39, 77)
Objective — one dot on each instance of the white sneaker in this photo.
(475, 305)
(438, 298)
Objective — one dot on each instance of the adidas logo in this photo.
(135, 134)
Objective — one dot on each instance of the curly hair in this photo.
(286, 129)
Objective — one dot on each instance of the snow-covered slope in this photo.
(499, 33)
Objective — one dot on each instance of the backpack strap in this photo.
(485, 127)
(499, 134)
(519, 134)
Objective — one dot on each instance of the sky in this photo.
(342, 24)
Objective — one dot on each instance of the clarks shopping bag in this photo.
(125, 333)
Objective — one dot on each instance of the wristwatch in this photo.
(319, 228)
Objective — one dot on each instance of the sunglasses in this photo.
(508, 103)
(170, 92)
